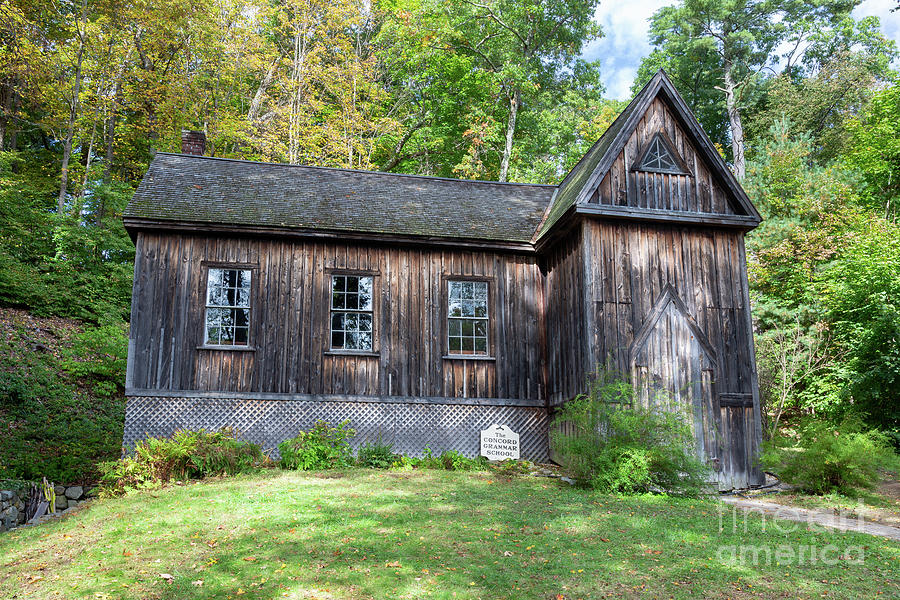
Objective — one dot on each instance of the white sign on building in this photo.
(499, 442)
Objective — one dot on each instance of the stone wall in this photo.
(12, 509)
(12, 504)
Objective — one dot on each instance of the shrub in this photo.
(611, 445)
(824, 458)
(99, 354)
(186, 455)
(50, 426)
(377, 455)
(322, 447)
(449, 460)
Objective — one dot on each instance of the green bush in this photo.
(52, 426)
(377, 455)
(611, 445)
(449, 460)
(322, 447)
(823, 458)
(186, 455)
(99, 354)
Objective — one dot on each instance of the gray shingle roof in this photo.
(236, 192)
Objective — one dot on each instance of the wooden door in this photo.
(673, 366)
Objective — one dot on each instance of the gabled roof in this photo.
(196, 189)
(217, 194)
(577, 186)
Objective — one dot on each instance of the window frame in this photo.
(491, 332)
(330, 273)
(670, 147)
(205, 267)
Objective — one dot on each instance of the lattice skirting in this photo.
(410, 427)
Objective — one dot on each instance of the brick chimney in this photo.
(193, 142)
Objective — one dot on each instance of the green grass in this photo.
(419, 534)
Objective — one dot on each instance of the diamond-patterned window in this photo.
(659, 157)
(228, 307)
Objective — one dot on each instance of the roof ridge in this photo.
(362, 171)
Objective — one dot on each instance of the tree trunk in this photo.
(256, 103)
(510, 132)
(70, 132)
(6, 113)
(734, 121)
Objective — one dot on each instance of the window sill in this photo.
(227, 348)
(366, 353)
(468, 357)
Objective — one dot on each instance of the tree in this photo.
(507, 57)
(874, 149)
(730, 43)
(831, 85)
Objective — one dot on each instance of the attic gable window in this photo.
(228, 307)
(660, 157)
(351, 312)
(467, 317)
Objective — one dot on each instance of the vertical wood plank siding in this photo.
(291, 315)
(567, 338)
(695, 192)
(633, 264)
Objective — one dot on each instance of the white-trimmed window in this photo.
(351, 312)
(467, 317)
(228, 307)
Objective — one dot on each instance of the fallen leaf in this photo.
(198, 583)
(167, 577)
(250, 558)
(393, 564)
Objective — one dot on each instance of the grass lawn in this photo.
(426, 534)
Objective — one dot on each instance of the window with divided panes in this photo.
(467, 317)
(351, 312)
(659, 157)
(228, 307)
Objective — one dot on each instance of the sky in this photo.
(624, 42)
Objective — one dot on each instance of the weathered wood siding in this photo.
(633, 264)
(290, 317)
(696, 192)
(568, 361)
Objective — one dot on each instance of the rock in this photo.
(21, 520)
(60, 490)
(568, 480)
(5, 496)
(73, 503)
(75, 492)
(62, 503)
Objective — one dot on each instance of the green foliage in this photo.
(321, 447)
(510, 468)
(99, 354)
(72, 265)
(861, 292)
(874, 149)
(610, 444)
(448, 460)
(376, 455)
(827, 458)
(51, 425)
(186, 455)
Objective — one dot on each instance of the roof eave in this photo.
(135, 224)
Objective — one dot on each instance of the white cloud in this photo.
(626, 27)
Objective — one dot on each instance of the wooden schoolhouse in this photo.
(424, 309)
